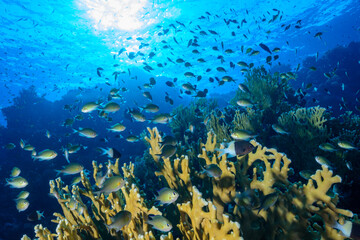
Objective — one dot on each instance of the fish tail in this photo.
(58, 172)
(104, 151)
(40, 214)
(67, 159)
(222, 151)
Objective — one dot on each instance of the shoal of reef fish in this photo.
(240, 145)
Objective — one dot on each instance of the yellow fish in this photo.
(17, 182)
(160, 223)
(15, 172)
(45, 155)
(86, 132)
(22, 204)
(167, 196)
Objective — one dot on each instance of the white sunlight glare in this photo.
(116, 14)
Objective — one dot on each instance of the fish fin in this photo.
(222, 151)
(103, 150)
(58, 172)
(344, 229)
(40, 214)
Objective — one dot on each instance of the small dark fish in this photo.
(268, 59)
(212, 170)
(269, 201)
(167, 151)
(187, 64)
(189, 43)
(202, 93)
(266, 48)
(213, 32)
(98, 71)
(152, 81)
(170, 84)
(120, 220)
(168, 140)
(131, 55)
(318, 35)
(35, 216)
(121, 51)
(306, 174)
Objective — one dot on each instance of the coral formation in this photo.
(266, 91)
(194, 115)
(307, 130)
(234, 207)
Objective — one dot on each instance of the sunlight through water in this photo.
(116, 14)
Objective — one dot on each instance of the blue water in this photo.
(51, 50)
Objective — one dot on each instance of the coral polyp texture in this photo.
(252, 199)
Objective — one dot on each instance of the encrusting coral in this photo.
(234, 206)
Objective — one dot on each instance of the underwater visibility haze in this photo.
(151, 119)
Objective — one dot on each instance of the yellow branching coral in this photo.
(223, 213)
(43, 233)
(305, 122)
(203, 224)
(307, 130)
(77, 223)
(224, 186)
(325, 206)
(154, 140)
(135, 204)
(210, 142)
(276, 168)
(177, 175)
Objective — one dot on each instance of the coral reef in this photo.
(306, 129)
(217, 125)
(193, 114)
(231, 206)
(266, 91)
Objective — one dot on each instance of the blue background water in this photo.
(56, 47)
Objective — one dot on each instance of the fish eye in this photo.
(167, 225)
